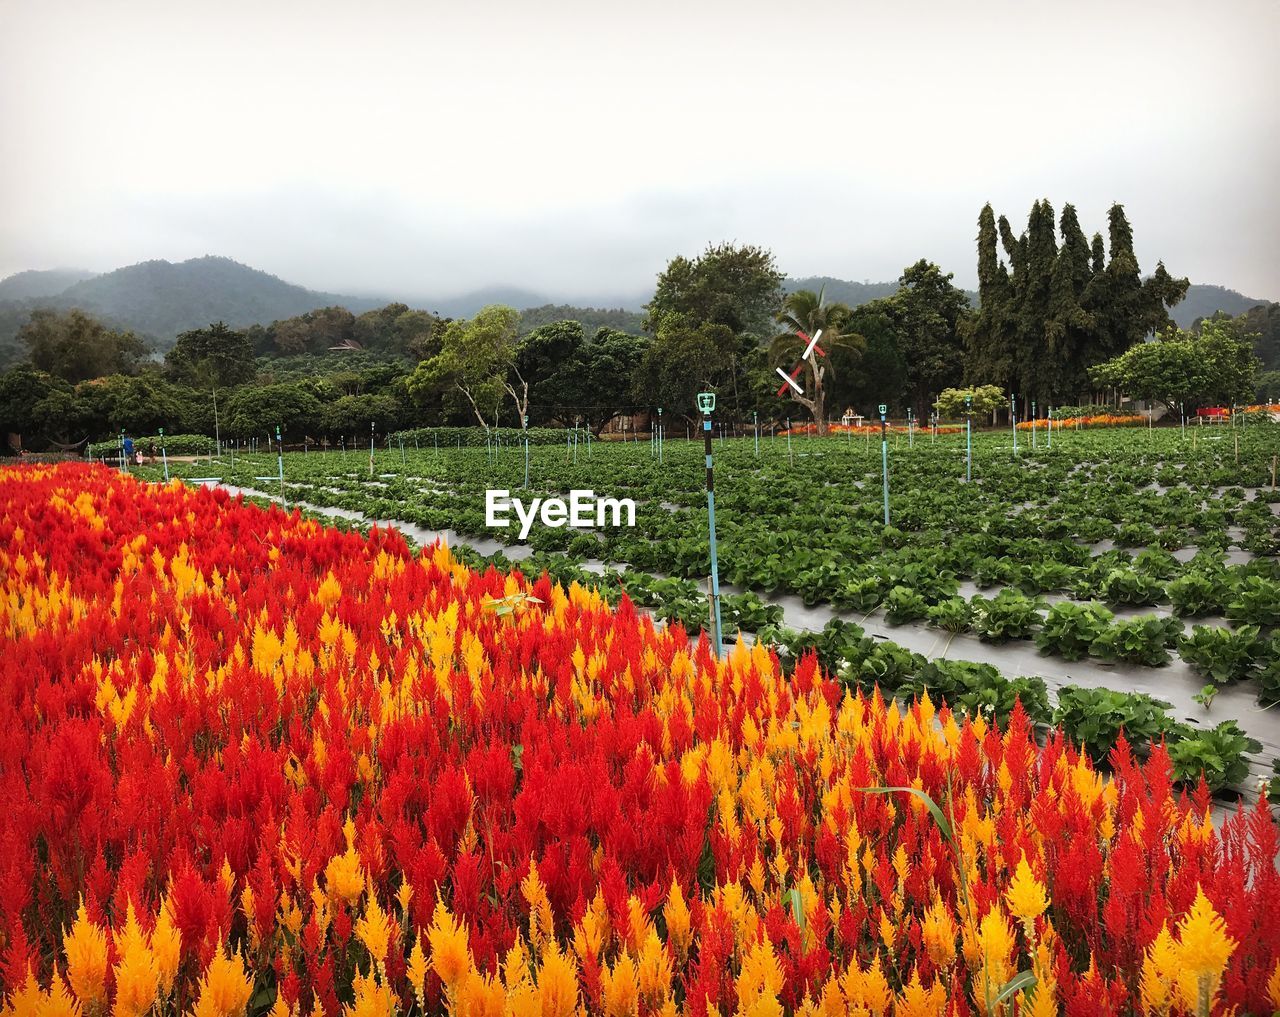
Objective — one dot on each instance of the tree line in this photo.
(1060, 318)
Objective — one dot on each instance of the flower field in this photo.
(258, 765)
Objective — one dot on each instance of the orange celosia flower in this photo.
(557, 983)
(621, 988)
(416, 970)
(654, 969)
(166, 946)
(374, 929)
(675, 914)
(86, 949)
(372, 998)
(344, 876)
(137, 975)
(450, 952)
(225, 988)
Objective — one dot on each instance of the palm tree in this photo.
(804, 314)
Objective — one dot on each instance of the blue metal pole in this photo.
(280, 458)
(884, 462)
(755, 421)
(711, 527)
(1013, 421)
(164, 456)
(968, 441)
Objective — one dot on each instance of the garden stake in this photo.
(707, 403)
(165, 459)
(884, 461)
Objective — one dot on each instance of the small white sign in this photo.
(584, 510)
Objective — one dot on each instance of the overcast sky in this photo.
(573, 147)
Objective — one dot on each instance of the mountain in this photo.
(465, 305)
(33, 285)
(161, 299)
(1203, 300)
(852, 293)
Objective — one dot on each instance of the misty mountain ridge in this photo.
(159, 299)
(34, 284)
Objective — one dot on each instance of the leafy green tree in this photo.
(683, 361)
(730, 287)
(804, 314)
(136, 404)
(213, 357)
(476, 356)
(1267, 389)
(75, 347)
(928, 313)
(549, 361)
(983, 399)
(352, 414)
(1217, 366)
(256, 411)
(739, 288)
(24, 391)
(878, 373)
(609, 361)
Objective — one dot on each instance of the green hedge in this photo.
(174, 445)
(475, 437)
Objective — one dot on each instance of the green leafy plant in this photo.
(1218, 753)
(903, 605)
(1196, 593)
(1129, 586)
(1255, 601)
(1222, 654)
(1070, 629)
(1007, 615)
(1144, 640)
(974, 688)
(1094, 718)
(954, 614)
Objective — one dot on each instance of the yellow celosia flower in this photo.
(344, 876)
(995, 947)
(86, 947)
(404, 895)
(374, 929)
(917, 1001)
(225, 988)
(760, 979)
(675, 914)
(481, 996)
(137, 975)
(939, 933)
(621, 988)
(450, 952)
(25, 1000)
(416, 970)
(1203, 950)
(166, 946)
(1026, 896)
(557, 983)
(372, 998)
(1159, 974)
(654, 969)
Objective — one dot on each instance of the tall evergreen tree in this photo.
(987, 334)
(1056, 311)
